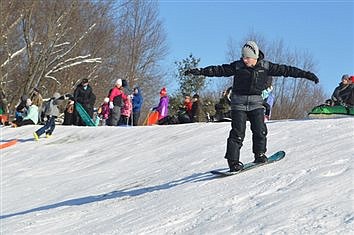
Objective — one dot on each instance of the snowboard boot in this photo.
(260, 158)
(36, 137)
(234, 165)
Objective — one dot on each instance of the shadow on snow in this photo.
(121, 194)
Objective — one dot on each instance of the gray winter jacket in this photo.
(51, 107)
(246, 102)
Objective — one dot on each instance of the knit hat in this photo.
(345, 77)
(85, 80)
(196, 96)
(250, 50)
(119, 82)
(106, 100)
(163, 91)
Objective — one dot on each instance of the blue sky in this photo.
(325, 29)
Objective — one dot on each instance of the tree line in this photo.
(53, 45)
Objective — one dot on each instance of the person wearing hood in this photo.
(137, 103)
(250, 73)
(344, 93)
(84, 95)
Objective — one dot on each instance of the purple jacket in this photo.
(162, 108)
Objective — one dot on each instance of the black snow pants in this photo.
(237, 133)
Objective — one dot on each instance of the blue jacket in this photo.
(137, 101)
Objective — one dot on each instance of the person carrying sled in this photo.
(84, 95)
(162, 108)
(250, 76)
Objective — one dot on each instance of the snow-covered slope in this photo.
(156, 180)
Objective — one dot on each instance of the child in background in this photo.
(103, 112)
(268, 100)
(126, 111)
(69, 112)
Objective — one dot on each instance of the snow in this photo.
(156, 180)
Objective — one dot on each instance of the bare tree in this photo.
(142, 45)
(54, 51)
(54, 44)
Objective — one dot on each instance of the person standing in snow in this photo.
(137, 104)
(250, 76)
(103, 112)
(126, 111)
(196, 109)
(116, 102)
(84, 95)
(69, 112)
(162, 108)
(268, 100)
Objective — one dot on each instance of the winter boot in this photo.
(234, 165)
(36, 137)
(260, 158)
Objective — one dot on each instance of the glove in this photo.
(111, 106)
(193, 72)
(312, 77)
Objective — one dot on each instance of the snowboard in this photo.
(250, 165)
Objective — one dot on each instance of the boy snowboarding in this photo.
(250, 77)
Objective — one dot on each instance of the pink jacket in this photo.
(105, 110)
(127, 108)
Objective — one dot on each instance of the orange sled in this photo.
(152, 118)
(8, 144)
(4, 118)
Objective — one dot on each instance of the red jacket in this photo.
(116, 92)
